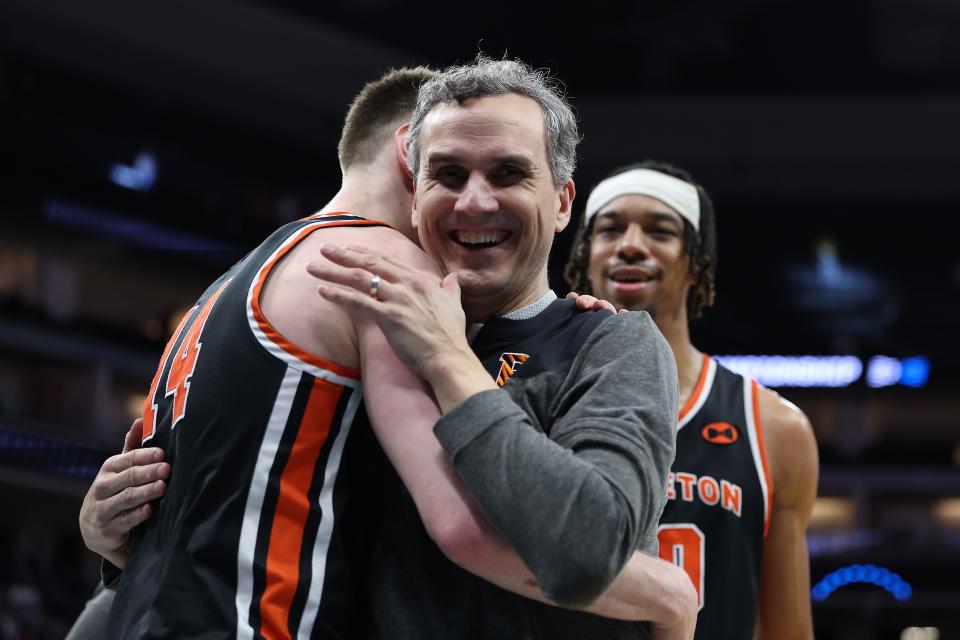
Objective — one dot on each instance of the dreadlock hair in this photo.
(701, 248)
(379, 108)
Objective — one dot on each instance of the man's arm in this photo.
(599, 488)
(785, 581)
(596, 485)
(403, 412)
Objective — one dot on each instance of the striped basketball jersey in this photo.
(719, 497)
(249, 540)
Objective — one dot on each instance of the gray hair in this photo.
(486, 77)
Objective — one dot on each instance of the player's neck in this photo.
(374, 197)
(689, 359)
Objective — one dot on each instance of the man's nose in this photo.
(632, 243)
(477, 196)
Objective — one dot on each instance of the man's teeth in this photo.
(480, 237)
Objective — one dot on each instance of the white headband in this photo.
(673, 192)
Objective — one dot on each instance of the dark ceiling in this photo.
(805, 120)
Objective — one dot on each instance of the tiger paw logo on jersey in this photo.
(720, 433)
(509, 363)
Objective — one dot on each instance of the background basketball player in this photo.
(744, 480)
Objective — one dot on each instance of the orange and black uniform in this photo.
(250, 539)
(719, 497)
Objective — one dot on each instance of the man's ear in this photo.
(567, 193)
(415, 212)
(401, 149)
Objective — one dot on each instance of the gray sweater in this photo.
(569, 460)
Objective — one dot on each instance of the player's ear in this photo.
(401, 149)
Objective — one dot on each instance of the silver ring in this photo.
(375, 287)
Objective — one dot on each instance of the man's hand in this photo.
(652, 589)
(587, 302)
(119, 498)
(683, 621)
(419, 313)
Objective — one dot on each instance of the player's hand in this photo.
(119, 498)
(586, 302)
(419, 313)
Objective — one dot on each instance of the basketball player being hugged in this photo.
(744, 479)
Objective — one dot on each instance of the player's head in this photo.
(492, 146)
(647, 240)
(381, 107)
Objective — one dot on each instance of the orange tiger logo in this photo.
(509, 363)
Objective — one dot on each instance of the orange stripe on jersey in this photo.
(755, 388)
(697, 390)
(274, 335)
(320, 216)
(293, 508)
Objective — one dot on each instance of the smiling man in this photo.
(562, 440)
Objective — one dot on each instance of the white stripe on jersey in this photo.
(255, 495)
(276, 350)
(755, 442)
(325, 531)
(704, 392)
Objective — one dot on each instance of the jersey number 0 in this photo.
(683, 545)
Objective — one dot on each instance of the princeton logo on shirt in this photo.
(509, 363)
(720, 433)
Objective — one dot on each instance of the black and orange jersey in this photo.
(250, 539)
(719, 497)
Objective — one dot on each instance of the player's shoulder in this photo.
(382, 238)
(788, 437)
(780, 415)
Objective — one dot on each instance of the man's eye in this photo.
(508, 175)
(606, 230)
(448, 174)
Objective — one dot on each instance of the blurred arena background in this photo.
(147, 146)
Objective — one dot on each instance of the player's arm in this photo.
(785, 582)
(119, 497)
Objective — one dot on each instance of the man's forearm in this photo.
(648, 589)
(456, 376)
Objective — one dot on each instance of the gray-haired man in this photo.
(567, 452)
